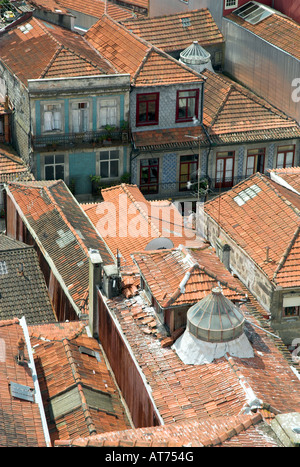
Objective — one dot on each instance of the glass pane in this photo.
(49, 172)
(114, 154)
(144, 175)
(280, 160)
(151, 111)
(114, 168)
(289, 159)
(59, 172)
(104, 169)
(49, 159)
(59, 159)
(104, 155)
(191, 108)
(142, 112)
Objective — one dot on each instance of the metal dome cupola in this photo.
(196, 57)
(215, 318)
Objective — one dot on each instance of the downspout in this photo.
(204, 129)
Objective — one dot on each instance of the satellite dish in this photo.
(160, 243)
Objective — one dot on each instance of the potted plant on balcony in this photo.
(109, 130)
(124, 126)
(96, 184)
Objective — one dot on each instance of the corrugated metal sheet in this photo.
(264, 68)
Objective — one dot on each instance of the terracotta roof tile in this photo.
(240, 430)
(70, 234)
(143, 222)
(277, 29)
(170, 32)
(89, 7)
(164, 271)
(74, 368)
(47, 50)
(21, 422)
(146, 64)
(290, 177)
(223, 388)
(269, 219)
(12, 167)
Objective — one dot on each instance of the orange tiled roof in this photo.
(169, 138)
(169, 32)
(12, 167)
(139, 3)
(21, 422)
(146, 64)
(271, 219)
(232, 114)
(233, 431)
(69, 235)
(66, 363)
(290, 176)
(164, 271)
(279, 30)
(89, 7)
(47, 50)
(143, 222)
(222, 388)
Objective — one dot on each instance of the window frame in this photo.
(219, 156)
(281, 150)
(54, 165)
(109, 160)
(46, 109)
(116, 106)
(261, 152)
(230, 7)
(196, 108)
(189, 163)
(294, 315)
(139, 97)
(146, 188)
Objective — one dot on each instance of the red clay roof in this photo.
(147, 65)
(67, 368)
(47, 50)
(70, 234)
(270, 219)
(290, 176)
(164, 271)
(12, 167)
(171, 33)
(89, 7)
(21, 422)
(233, 114)
(143, 222)
(279, 30)
(232, 431)
(203, 392)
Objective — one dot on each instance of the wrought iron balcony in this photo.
(99, 138)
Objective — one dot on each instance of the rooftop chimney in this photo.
(95, 262)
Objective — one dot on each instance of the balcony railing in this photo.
(88, 138)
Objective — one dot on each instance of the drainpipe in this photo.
(95, 262)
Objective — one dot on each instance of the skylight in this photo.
(253, 12)
(246, 195)
(186, 22)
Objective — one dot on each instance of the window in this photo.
(291, 311)
(224, 169)
(285, 157)
(188, 170)
(80, 117)
(52, 117)
(231, 4)
(149, 176)
(109, 164)
(54, 167)
(108, 112)
(255, 161)
(147, 109)
(187, 105)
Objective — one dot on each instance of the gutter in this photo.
(38, 396)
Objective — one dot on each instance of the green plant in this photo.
(125, 178)
(72, 186)
(124, 125)
(109, 130)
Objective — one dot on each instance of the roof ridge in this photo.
(47, 68)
